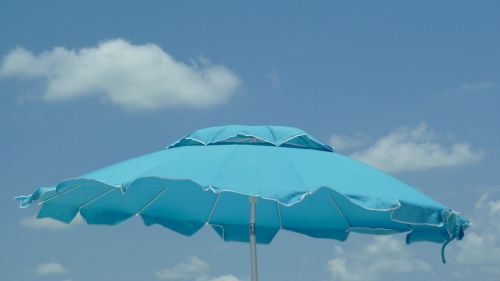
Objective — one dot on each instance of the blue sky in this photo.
(412, 88)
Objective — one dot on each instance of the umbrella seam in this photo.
(218, 134)
(223, 165)
(271, 132)
(341, 212)
(294, 168)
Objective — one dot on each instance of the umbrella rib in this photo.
(93, 200)
(59, 194)
(210, 216)
(341, 212)
(279, 214)
(151, 201)
(213, 208)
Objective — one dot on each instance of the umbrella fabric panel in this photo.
(199, 165)
(71, 196)
(360, 219)
(231, 216)
(315, 216)
(184, 207)
(129, 170)
(113, 207)
(370, 187)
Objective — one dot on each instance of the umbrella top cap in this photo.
(253, 135)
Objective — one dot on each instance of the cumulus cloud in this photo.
(228, 277)
(384, 255)
(195, 269)
(346, 143)
(189, 270)
(48, 223)
(480, 247)
(50, 268)
(413, 149)
(136, 77)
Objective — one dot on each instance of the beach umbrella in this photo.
(247, 183)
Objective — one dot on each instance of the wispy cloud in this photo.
(481, 245)
(195, 269)
(136, 77)
(50, 268)
(47, 223)
(380, 256)
(274, 79)
(417, 148)
(473, 88)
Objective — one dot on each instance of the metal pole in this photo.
(253, 246)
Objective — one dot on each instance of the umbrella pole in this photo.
(253, 244)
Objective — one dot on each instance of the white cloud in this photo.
(136, 77)
(374, 260)
(50, 268)
(480, 247)
(412, 149)
(48, 223)
(274, 78)
(228, 277)
(470, 88)
(345, 143)
(194, 268)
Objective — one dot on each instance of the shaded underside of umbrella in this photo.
(208, 177)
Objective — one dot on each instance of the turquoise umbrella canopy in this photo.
(207, 178)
